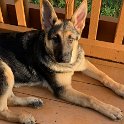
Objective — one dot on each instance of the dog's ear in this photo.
(79, 17)
(49, 16)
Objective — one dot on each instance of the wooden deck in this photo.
(56, 111)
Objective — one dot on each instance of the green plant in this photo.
(109, 7)
(35, 1)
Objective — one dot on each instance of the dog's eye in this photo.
(56, 39)
(70, 39)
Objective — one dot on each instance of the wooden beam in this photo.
(26, 10)
(94, 19)
(104, 50)
(19, 6)
(3, 11)
(1, 16)
(10, 28)
(119, 35)
(69, 9)
(41, 13)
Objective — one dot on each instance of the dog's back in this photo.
(16, 49)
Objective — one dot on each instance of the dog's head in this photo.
(62, 37)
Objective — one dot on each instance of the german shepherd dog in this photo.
(49, 57)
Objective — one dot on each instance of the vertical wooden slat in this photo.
(119, 35)
(1, 16)
(94, 19)
(26, 9)
(69, 9)
(21, 6)
(3, 11)
(41, 13)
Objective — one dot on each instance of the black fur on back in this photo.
(25, 53)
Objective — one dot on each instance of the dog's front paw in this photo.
(34, 102)
(26, 119)
(113, 112)
(120, 90)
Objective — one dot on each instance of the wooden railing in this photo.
(113, 50)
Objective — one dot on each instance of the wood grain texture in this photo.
(104, 50)
(20, 12)
(3, 11)
(69, 9)
(120, 28)
(94, 19)
(10, 28)
(41, 13)
(26, 10)
(1, 16)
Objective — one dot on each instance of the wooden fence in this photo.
(113, 50)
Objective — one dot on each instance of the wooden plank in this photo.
(106, 63)
(101, 44)
(1, 16)
(26, 10)
(114, 72)
(69, 9)
(8, 28)
(19, 6)
(119, 35)
(53, 112)
(94, 19)
(3, 11)
(104, 50)
(41, 13)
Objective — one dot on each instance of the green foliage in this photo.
(109, 7)
(35, 1)
(58, 3)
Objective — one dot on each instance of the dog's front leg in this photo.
(78, 98)
(69, 94)
(95, 73)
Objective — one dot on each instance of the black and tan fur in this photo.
(49, 57)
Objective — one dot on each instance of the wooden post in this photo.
(21, 7)
(41, 13)
(1, 16)
(69, 9)
(26, 10)
(3, 11)
(94, 19)
(119, 35)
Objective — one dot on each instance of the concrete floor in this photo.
(56, 111)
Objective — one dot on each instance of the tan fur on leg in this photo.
(5, 113)
(24, 101)
(95, 73)
(84, 100)
(17, 117)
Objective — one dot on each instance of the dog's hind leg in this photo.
(6, 85)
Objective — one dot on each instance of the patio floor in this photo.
(56, 111)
